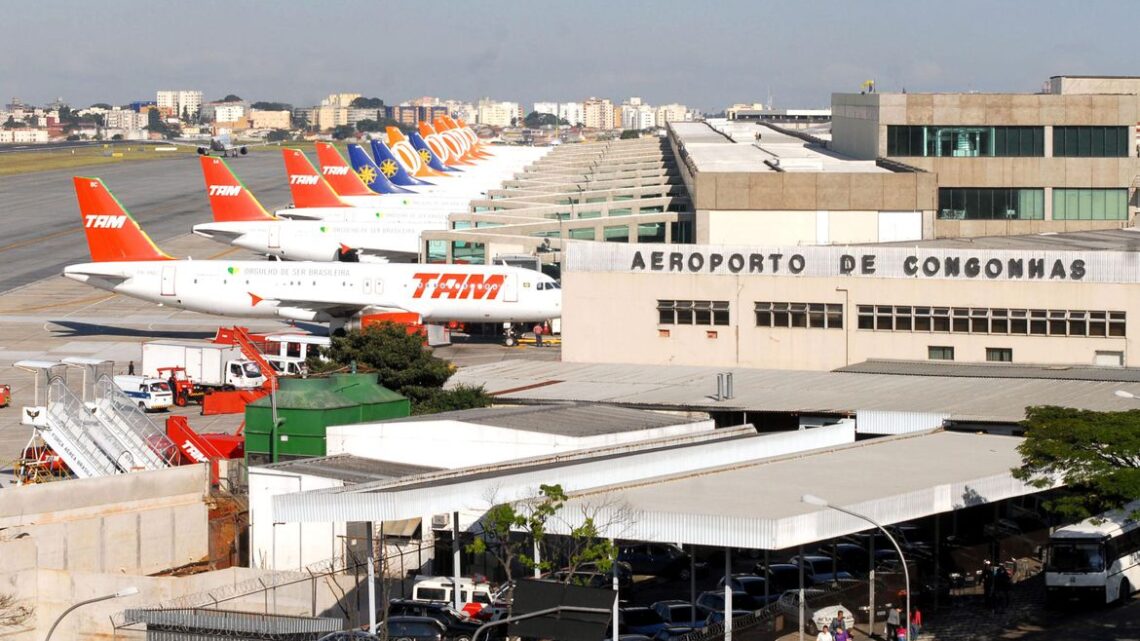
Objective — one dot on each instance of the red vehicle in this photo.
(180, 385)
(5, 395)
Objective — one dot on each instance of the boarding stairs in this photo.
(151, 449)
(75, 434)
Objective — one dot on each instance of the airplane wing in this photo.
(335, 308)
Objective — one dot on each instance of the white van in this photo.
(288, 365)
(150, 394)
(473, 596)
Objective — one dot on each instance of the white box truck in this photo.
(208, 365)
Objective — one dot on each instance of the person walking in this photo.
(915, 623)
(131, 368)
(538, 334)
(892, 624)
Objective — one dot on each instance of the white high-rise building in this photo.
(572, 113)
(598, 113)
(178, 102)
(638, 117)
(672, 113)
(497, 114)
(546, 108)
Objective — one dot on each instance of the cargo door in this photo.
(194, 364)
(168, 280)
(274, 235)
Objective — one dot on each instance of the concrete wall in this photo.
(813, 227)
(137, 523)
(595, 300)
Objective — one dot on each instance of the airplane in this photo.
(241, 221)
(346, 181)
(345, 295)
(409, 156)
(222, 145)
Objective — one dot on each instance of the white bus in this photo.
(1097, 559)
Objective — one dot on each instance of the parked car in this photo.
(458, 626)
(783, 576)
(677, 613)
(415, 628)
(659, 559)
(755, 586)
(713, 601)
(822, 568)
(818, 616)
(640, 620)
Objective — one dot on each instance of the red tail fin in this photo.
(335, 170)
(112, 234)
(308, 187)
(229, 198)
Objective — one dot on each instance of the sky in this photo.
(704, 54)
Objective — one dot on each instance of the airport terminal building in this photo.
(1058, 301)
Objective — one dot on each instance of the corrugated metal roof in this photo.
(996, 370)
(570, 419)
(1001, 400)
(1126, 239)
(350, 468)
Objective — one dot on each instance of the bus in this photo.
(1097, 559)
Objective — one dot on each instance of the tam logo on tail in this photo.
(335, 170)
(225, 190)
(102, 221)
(303, 180)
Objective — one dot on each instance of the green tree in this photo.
(277, 135)
(367, 103)
(271, 106)
(343, 131)
(461, 397)
(1096, 455)
(537, 120)
(101, 105)
(185, 113)
(368, 125)
(630, 134)
(231, 98)
(117, 137)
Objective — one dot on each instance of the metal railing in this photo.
(76, 435)
(150, 446)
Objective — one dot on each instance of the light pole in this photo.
(812, 499)
(121, 593)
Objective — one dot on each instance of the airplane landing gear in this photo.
(510, 337)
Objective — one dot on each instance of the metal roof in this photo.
(570, 419)
(349, 468)
(967, 399)
(719, 145)
(996, 370)
(1126, 239)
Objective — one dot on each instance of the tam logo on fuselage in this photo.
(335, 171)
(463, 286)
(225, 190)
(303, 180)
(101, 221)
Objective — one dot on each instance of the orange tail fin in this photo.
(309, 188)
(335, 170)
(112, 234)
(230, 200)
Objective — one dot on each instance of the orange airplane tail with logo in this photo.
(343, 179)
(308, 187)
(476, 144)
(112, 233)
(458, 145)
(400, 145)
(230, 199)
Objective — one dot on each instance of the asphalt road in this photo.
(40, 220)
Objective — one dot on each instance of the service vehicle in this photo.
(287, 365)
(208, 365)
(1097, 559)
(149, 393)
(473, 597)
(818, 616)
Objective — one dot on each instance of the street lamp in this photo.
(812, 499)
(121, 593)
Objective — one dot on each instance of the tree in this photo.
(368, 125)
(367, 103)
(344, 131)
(13, 614)
(405, 366)
(271, 106)
(1095, 454)
(277, 135)
(101, 105)
(630, 134)
(231, 98)
(537, 120)
(185, 113)
(117, 137)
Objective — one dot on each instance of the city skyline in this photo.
(662, 52)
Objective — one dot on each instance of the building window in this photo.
(977, 320)
(1090, 204)
(991, 204)
(692, 312)
(999, 354)
(617, 234)
(940, 353)
(1090, 142)
(965, 141)
(809, 315)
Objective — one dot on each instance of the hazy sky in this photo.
(703, 54)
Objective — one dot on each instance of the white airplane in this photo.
(371, 236)
(126, 261)
(222, 145)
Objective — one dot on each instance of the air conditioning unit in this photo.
(440, 521)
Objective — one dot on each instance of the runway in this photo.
(42, 231)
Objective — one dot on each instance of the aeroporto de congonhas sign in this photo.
(859, 262)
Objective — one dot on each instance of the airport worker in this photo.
(538, 334)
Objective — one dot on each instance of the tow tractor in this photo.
(182, 387)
